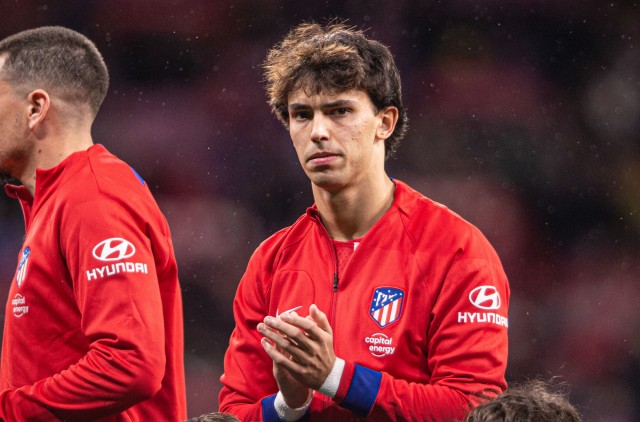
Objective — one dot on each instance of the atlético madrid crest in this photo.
(386, 305)
(21, 272)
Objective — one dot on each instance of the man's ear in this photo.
(388, 119)
(39, 103)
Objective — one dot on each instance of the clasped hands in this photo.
(301, 350)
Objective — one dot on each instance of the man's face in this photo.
(13, 129)
(335, 137)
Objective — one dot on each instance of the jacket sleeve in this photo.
(121, 318)
(467, 349)
(249, 388)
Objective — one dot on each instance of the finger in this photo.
(282, 324)
(304, 332)
(279, 358)
(280, 339)
(294, 327)
(313, 335)
(320, 318)
(284, 344)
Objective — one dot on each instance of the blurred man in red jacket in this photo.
(93, 325)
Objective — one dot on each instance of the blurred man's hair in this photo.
(215, 417)
(63, 62)
(533, 401)
(332, 59)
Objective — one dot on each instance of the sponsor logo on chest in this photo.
(115, 249)
(380, 345)
(20, 307)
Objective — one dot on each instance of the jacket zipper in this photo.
(334, 295)
(336, 279)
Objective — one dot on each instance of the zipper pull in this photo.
(335, 282)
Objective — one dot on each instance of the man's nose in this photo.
(320, 128)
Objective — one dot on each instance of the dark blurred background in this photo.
(524, 119)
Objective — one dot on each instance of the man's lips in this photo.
(321, 157)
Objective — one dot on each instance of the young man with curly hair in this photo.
(377, 302)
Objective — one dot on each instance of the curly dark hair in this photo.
(533, 401)
(334, 58)
(58, 60)
(214, 417)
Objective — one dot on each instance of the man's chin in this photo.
(327, 183)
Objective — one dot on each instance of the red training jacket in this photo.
(419, 315)
(93, 324)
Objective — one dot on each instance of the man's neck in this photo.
(50, 153)
(350, 212)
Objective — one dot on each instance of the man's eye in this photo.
(300, 115)
(341, 111)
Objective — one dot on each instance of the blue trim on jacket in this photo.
(362, 391)
(269, 413)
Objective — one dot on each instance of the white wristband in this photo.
(331, 384)
(287, 413)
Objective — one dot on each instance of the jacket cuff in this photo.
(332, 383)
(358, 388)
(289, 414)
(345, 382)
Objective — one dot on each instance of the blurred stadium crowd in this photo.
(524, 119)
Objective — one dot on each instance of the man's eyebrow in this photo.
(331, 104)
(337, 103)
(298, 106)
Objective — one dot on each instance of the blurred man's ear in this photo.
(39, 103)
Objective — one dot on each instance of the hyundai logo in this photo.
(113, 249)
(485, 297)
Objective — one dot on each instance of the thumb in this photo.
(320, 318)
